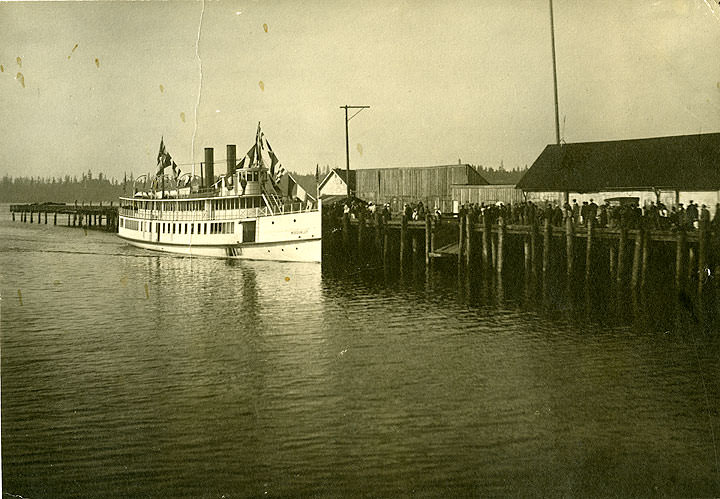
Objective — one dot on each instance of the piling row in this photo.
(479, 249)
(84, 216)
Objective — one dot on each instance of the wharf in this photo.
(573, 252)
(88, 216)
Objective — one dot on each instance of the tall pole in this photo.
(552, 38)
(347, 154)
(566, 194)
(347, 142)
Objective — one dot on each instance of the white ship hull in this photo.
(301, 251)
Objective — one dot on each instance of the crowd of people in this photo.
(627, 215)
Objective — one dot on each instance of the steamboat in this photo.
(255, 211)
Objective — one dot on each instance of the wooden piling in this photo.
(680, 251)
(613, 260)
(428, 239)
(45, 218)
(570, 247)
(360, 234)
(469, 256)
(31, 216)
(486, 241)
(534, 232)
(588, 250)
(493, 250)
(378, 232)
(702, 256)
(386, 248)
(462, 227)
(55, 218)
(526, 255)
(13, 216)
(622, 247)
(403, 235)
(415, 248)
(636, 260)
(68, 219)
(644, 259)
(346, 232)
(501, 237)
(547, 233)
(692, 264)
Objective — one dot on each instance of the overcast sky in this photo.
(88, 85)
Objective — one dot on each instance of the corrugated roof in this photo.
(685, 162)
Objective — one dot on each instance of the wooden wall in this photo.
(397, 186)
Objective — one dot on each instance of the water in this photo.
(251, 379)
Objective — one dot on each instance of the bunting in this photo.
(163, 159)
(280, 172)
(251, 154)
(176, 171)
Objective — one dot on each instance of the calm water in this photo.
(131, 374)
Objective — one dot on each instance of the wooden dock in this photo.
(573, 251)
(88, 216)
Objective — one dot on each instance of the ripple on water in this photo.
(240, 378)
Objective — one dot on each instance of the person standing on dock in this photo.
(592, 210)
(575, 211)
(691, 213)
(704, 214)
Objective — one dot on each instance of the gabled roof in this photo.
(342, 174)
(685, 162)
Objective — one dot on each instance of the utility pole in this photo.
(555, 86)
(566, 194)
(347, 142)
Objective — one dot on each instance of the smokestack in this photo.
(209, 173)
(231, 159)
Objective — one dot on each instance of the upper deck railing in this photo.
(213, 214)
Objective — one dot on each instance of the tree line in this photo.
(95, 188)
(67, 189)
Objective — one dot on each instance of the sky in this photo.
(91, 85)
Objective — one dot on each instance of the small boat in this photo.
(255, 211)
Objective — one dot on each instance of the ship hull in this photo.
(292, 237)
(308, 250)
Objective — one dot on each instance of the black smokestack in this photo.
(209, 172)
(230, 159)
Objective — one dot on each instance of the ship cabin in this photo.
(247, 193)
